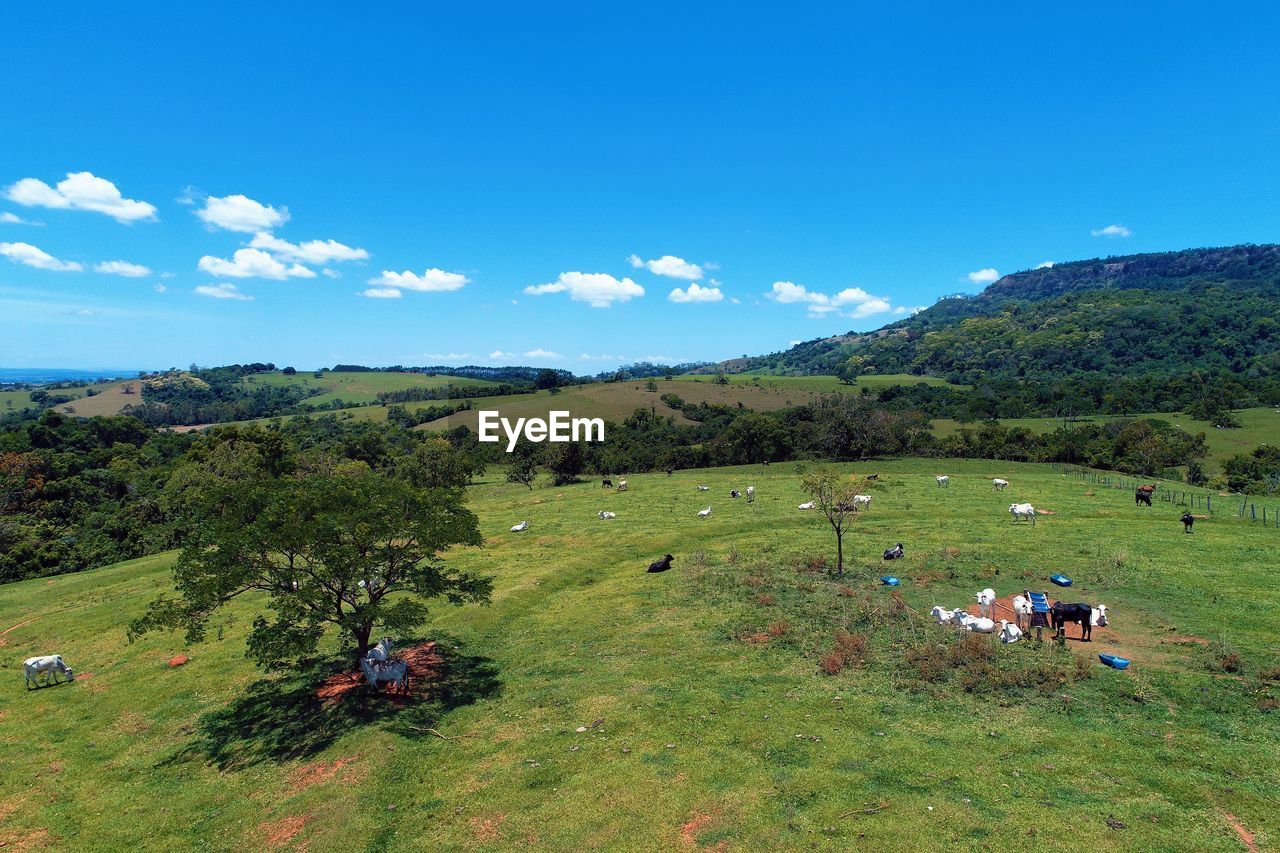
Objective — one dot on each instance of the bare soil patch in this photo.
(318, 772)
(424, 666)
(280, 833)
(1241, 830)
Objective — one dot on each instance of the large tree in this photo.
(352, 549)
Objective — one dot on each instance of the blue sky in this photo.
(809, 169)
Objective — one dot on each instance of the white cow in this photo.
(622, 485)
(704, 488)
(943, 616)
(807, 505)
(1022, 610)
(395, 671)
(943, 480)
(986, 601)
(751, 494)
(380, 651)
(1098, 616)
(605, 515)
(1021, 511)
(521, 527)
(1009, 633)
(47, 666)
(704, 513)
(999, 485)
(862, 501)
(977, 624)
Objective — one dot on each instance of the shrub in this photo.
(1231, 662)
(831, 663)
(765, 600)
(779, 628)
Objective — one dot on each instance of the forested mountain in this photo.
(1154, 316)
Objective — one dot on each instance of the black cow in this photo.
(1142, 496)
(895, 553)
(1081, 614)
(606, 484)
(1187, 520)
(734, 493)
(662, 565)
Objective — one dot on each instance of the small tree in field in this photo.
(355, 550)
(523, 467)
(832, 494)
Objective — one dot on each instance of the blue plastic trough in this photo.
(1114, 662)
(889, 580)
(1060, 580)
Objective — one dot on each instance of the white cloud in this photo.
(241, 213)
(660, 359)
(8, 218)
(431, 281)
(1044, 265)
(328, 273)
(696, 293)
(914, 309)
(160, 288)
(252, 263)
(668, 265)
(81, 191)
(222, 291)
(542, 353)
(381, 293)
(25, 253)
(983, 276)
(852, 302)
(123, 268)
(795, 343)
(1111, 231)
(597, 289)
(500, 354)
(602, 357)
(446, 356)
(315, 252)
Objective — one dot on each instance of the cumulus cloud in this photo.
(983, 276)
(222, 291)
(1111, 231)
(446, 356)
(1044, 265)
(252, 263)
(381, 293)
(907, 311)
(328, 273)
(500, 354)
(8, 218)
(123, 268)
(81, 191)
(29, 255)
(160, 288)
(597, 289)
(602, 357)
(852, 302)
(316, 252)
(541, 353)
(241, 213)
(668, 265)
(696, 293)
(431, 281)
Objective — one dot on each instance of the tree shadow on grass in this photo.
(283, 719)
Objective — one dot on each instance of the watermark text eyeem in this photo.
(560, 428)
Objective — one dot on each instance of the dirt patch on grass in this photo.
(36, 839)
(179, 660)
(424, 667)
(1187, 640)
(1246, 837)
(280, 833)
(320, 771)
(485, 829)
(19, 625)
(689, 830)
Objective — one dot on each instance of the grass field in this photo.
(108, 401)
(1257, 426)
(596, 706)
(359, 387)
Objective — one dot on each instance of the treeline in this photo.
(448, 392)
(513, 375)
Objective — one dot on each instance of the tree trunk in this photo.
(839, 553)
(362, 640)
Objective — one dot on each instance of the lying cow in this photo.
(46, 666)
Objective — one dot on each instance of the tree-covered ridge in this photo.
(1212, 310)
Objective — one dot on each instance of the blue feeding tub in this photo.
(1060, 580)
(1114, 661)
(889, 580)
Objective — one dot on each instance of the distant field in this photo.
(821, 383)
(360, 387)
(108, 400)
(616, 400)
(1258, 426)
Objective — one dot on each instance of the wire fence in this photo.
(1239, 506)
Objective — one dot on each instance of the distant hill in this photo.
(1216, 311)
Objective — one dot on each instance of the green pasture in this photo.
(595, 706)
(359, 387)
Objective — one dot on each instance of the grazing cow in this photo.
(895, 553)
(1081, 614)
(999, 485)
(807, 505)
(521, 527)
(1022, 610)
(1021, 511)
(704, 488)
(605, 515)
(622, 485)
(751, 494)
(1098, 616)
(1187, 520)
(661, 565)
(986, 601)
(606, 484)
(943, 480)
(734, 493)
(1142, 495)
(862, 501)
(1009, 633)
(380, 651)
(704, 513)
(48, 666)
(378, 671)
